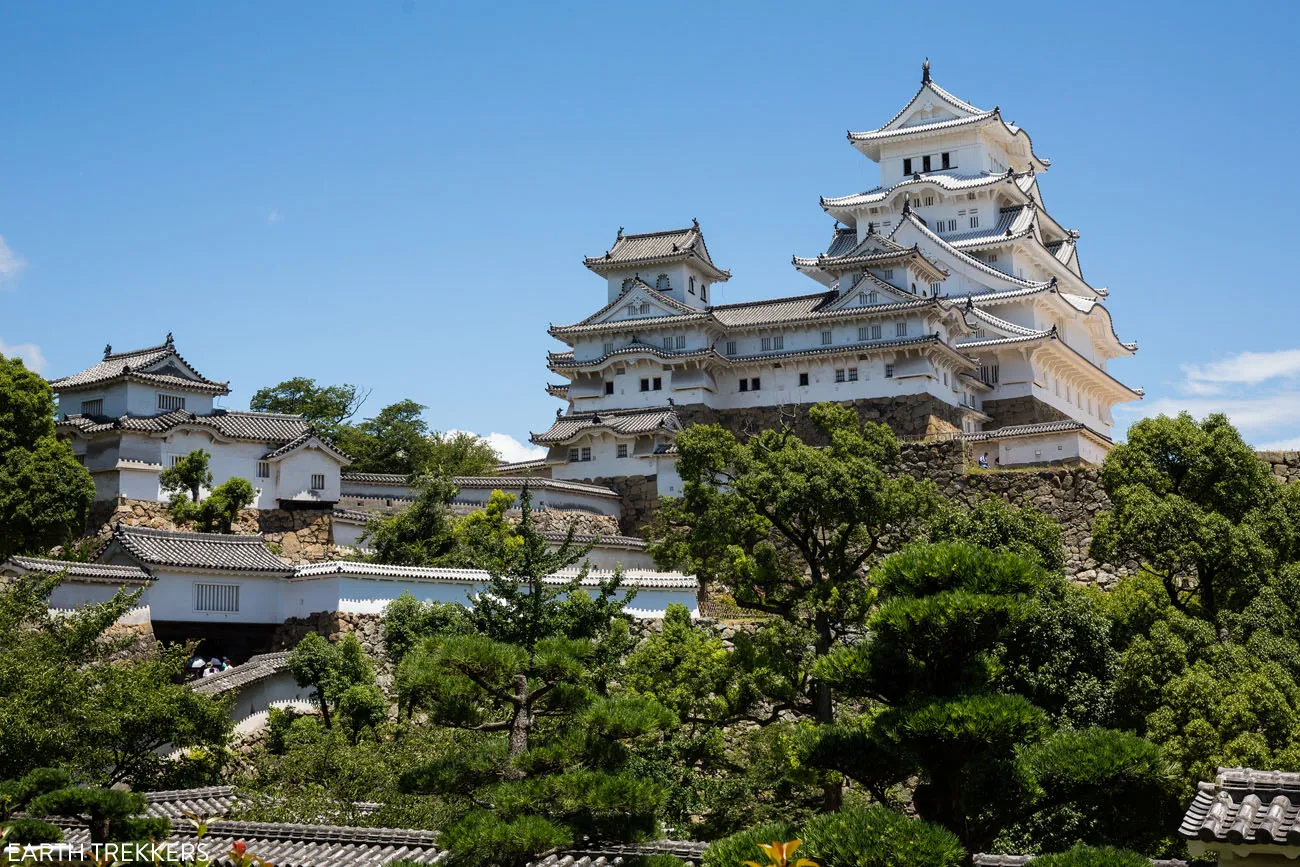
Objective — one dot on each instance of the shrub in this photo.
(879, 837)
(31, 832)
(482, 839)
(743, 845)
(1093, 856)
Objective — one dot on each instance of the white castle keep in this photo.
(953, 306)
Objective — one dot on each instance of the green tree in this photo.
(532, 671)
(1199, 509)
(330, 669)
(45, 495)
(789, 529)
(997, 525)
(459, 453)
(396, 440)
(73, 699)
(407, 621)
(419, 535)
(112, 815)
(188, 476)
(328, 408)
(931, 665)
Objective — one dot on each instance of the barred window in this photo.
(766, 343)
(826, 338)
(731, 347)
(318, 482)
(586, 453)
(92, 407)
(839, 374)
(173, 460)
(680, 341)
(621, 451)
(989, 375)
(889, 371)
(900, 328)
(574, 455)
(608, 347)
(170, 402)
(875, 332)
(853, 374)
(668, 342)
(216, 597)
(264, 469)
(864, 332)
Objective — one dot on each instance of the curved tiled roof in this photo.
(631, 577)
(1012, 224)
(655, 248)
(303, 440)
(376, 478)
(982, 860)
(97, 573)
(198, 550)
(210, 801)
(1024, 430)
(270, 428)
(627, 422)
(963, 256)
(615, 855)
(1246, 807)
(556, 360)
(935, 126)
(256, 668)
(494, 482)
(147, 365)
(943, 180)
(295, 845)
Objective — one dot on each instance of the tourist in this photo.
(984, 461)
(225, 662)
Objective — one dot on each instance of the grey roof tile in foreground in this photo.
(1245, 807)
(292, 845)
(98, 573)
(198, 550)
(617, 855)
(1020, 860)
(210, 801)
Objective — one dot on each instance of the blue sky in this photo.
(399, 194)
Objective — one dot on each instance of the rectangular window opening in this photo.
(318, 481)
(216, 597)
(92, 407)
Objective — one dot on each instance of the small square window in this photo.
(744, 385)
(609, 386)
(766, 344)
(92, 407)
(803, 379)
(621, 450)
(888, 273)
(680, 341)
(853, 374)
(586, 453)
(318, 482)
(778, 342)
(668, 342)
(608, 348)
(645, 384)
(900, 329)
(826, 338)
(754, 384)
(889, 371)
(731, 347)
(170, 402)
(945, 159)
(173, 460)
(925, 163)
(264, 469)
(875, 332)
(907, 165)
(659, 383)
(864, 332)
(574, 455)
(839, 374)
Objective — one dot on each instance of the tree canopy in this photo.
(327, 407)
(45, 494)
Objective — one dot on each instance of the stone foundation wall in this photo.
(300, 535)
(1071, 495)
(907, 415)
(640, 498)
(583, 523)
(369, 629)
(1020, 410)
(1285, 465)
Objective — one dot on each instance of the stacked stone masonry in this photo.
(908, 415)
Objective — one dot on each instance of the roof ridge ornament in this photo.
(108, 349)
(925, 71)
(170, 341)
(620, 231)
(695, 222)
(907, 204)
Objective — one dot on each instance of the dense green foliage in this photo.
(215, 513)
(915, 682)
(45, 495)
(70, 701)
(1208, 635)
(328, 408)
(789, 530)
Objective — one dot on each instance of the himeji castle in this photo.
(951, 305)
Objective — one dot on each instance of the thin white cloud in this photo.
(1246, 368)
(30, 353)
(1291, 445)
(274, 217)
(11, 264)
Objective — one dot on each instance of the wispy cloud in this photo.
(1291, 445)
(1258, 391)
(30, 353)
(1246, 368)
(274, 217)
(11, 264)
